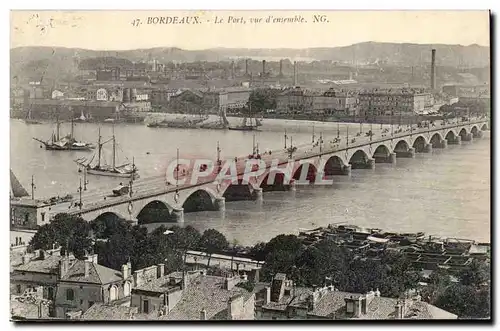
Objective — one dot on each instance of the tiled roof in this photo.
(161, 284)
(27, 310)
(103, 312)
(204, 292)
(332, 305)
(49, 265)
(98, 274)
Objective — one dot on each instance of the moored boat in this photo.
(101, 168)
(67, 143)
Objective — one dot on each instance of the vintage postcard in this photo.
(250, 165)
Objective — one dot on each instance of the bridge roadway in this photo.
(142, 188)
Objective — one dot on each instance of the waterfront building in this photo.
(403, 101)
(226, 99)
(161, 97)
(282, 301)
(86, 282)
(333, 101)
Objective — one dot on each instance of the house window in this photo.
(70, 295)
(43, 217)
(145, 306)
(26, 218)
(18, 288)
(50, 293)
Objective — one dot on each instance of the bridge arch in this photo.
(305, 172)
(474, 130)
(359, 157)
(484, 127)
(436, 139)
(334, 166)
(463, 133)
(199, 200)
(110, 215)
(450, 135)
(381, 150)
(402, 146)
(154, 212)
(237, 192)
(419, 144)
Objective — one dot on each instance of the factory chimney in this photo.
(246, 67)
(294, 73)
(433, 69)
(232, 70)
(281, 68)
(263, 68)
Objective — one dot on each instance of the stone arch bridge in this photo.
(152, 199)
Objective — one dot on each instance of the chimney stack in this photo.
(433, 69)
(281, 68)
(246, 66)
(87, 268)
(294, 73)
(125, 271)
(203, 315)
(232, 70)
(263, 68)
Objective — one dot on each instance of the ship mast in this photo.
(100, 149)
(114, 146)
(57, 125)
(72, 127)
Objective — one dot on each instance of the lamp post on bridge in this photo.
(80, 204)
(33, 187)
(219, 162)
(338, 130)
(313, 136)
(285, 138)
(347, 135)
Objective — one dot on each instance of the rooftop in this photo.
(331, 304)
(205, 292)
(163, 284)
(98, 274)
(47, 265)
(103, 312)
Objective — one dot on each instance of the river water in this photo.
(443, 193)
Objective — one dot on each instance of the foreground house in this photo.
(282, 300)
(86, 282)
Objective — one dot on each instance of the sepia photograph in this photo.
(208, 165)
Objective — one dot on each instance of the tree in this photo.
(465, 301)
(438, 282)
(69, 231)
(261, 100)
(258, 252)
(475, 274)
(212, 241)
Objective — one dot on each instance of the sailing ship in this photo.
(67, 143)
(247, 124)
(221, 124)
(29, 119)
(97, 164)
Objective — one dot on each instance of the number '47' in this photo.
(136, 22)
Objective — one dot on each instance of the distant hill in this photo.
(59, 62)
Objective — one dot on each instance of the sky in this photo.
(114, 30)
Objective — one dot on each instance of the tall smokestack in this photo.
(281, 68)
(263, 68)
(433, 69)
(294, 73)
(246, 67)
(232, 69)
